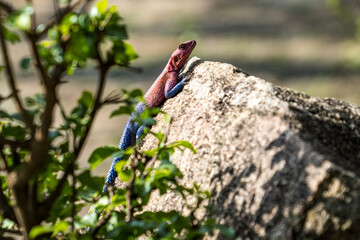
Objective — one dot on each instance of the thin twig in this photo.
(106, 218)
(73, 198)
(130, 194)
(84, 6)
(7, 97)
(12, 82)
(3, 230)
(32, 18)
(101, 223)
(32, 37)
(57, 18)
(97, 103)
(14, 144)
(113, 98)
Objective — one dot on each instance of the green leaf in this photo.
(136, 93)
(89, 220)
(127, 109)
(79, 49)
(60, 227)
(102, 6)
(10, 36)
(166, 170)
(16, 132)
(22, 18)
(65, 26)
(39, 230)
(8, 224)
(4, 114)
(100, 154)
(86, 99)
(37, 101)
(130, 52)
(185, 144)
(167, 119)
(101, 204)
(25, 63)
(116, 32)
(123, 53)
(119, 197)
(124, 174)
(93, 182)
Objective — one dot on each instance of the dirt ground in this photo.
(299, 44)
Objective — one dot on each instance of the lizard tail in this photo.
(127, 140)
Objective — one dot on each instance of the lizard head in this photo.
(181, 55)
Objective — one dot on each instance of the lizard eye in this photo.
(182, 47)
(176, 58)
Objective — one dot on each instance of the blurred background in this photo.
(306, 45)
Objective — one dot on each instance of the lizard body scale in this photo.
(167, 85)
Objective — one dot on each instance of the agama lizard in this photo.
(167, 85)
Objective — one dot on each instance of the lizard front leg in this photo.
(172, 85)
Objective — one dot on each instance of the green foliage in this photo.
(58, 190)
(21, 18)
(10, 36)
(100, 154)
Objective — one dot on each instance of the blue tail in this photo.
(128, 139)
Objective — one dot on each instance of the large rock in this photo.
(279, 164)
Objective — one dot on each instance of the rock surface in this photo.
(279, 164)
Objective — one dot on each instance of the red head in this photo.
(181, 55)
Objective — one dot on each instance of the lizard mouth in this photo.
(192, 46)
(190, 49)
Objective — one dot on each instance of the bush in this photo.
(42, 188)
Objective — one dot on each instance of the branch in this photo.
(6, 97)
(33, 37)
(12, 83)
(32, 19)
(73, 198)
(103, 220)
(6, 6)
(59, 16)
(130, 194)
(101, 223)
(3, 230)
(14, 144)
(113, 98)
(97, 104)
(39, 143)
